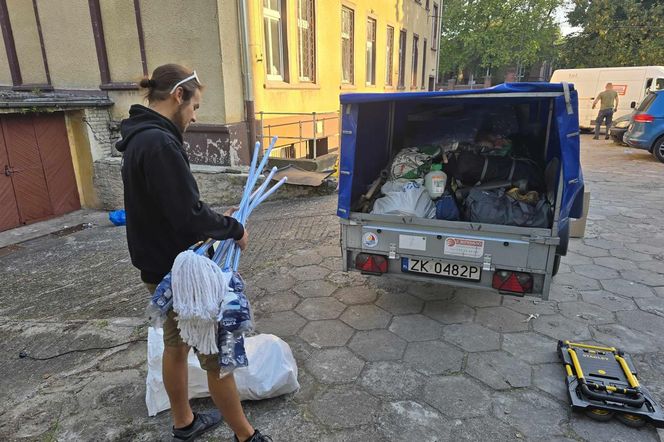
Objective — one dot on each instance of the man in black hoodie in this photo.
(165, 216)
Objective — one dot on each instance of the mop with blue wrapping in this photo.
(208, 294)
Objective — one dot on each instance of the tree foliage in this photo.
(614, 33)
(483, 34)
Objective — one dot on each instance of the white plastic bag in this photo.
(412, 201)
(272, 371)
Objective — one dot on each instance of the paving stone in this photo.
(477, 298)
(630, 255)
(328, 251)
(531, 347)
(457, 397)
(501, 319)
(449, 312)
(360, 433)
(433, 357)
(310, 273)
(366, 317)
(399, 303)
(652, 266)
(314, 289)
(483, 429)
(329, 333)
(333, 263)
(575, 259)
(499, 370)
(416, 328)
(588, 251)
(300, 348)
(621, 336)
(563, 292)
(275, 302)
(645, 277)
(615, 263)
(579, 282)
(280, 418)
(641, 247)
(531, 412)
(659, 291)
(280, 323)
(389, 284)
(303, 258)
(614, 431)
(650, 367)
(378, 345)
(356, 295)
(564, 268)
(431, 292)
(472, 337)
(602, 243)
(320, 308)
(560, 327)
(529, 305)
(392, 380)
(334, 365)
(275, 283)
(594, 271)
(585, 312)
(346, 279)
(343, 408)
(608, 300)
(409, 420)
(642, 321)
(651, 305)
(628, 289)
(550, 378)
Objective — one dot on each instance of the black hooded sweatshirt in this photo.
(165, 215)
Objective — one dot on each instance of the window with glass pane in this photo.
(389, 62)
(347, 42)
(413, 79)
(273, 30)
(306, 26)
(371, 51)
(402, 58)
(434, 28)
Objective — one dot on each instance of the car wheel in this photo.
(658, 149)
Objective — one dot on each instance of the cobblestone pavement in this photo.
(379, 359)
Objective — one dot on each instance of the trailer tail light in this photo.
(371, 264)
(512, 282)
(644, 118)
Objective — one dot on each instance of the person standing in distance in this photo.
(608, 105)
(165, 216)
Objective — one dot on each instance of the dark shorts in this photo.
(172, 338)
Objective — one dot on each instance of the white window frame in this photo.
(273, 15)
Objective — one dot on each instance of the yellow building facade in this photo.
(305, 53)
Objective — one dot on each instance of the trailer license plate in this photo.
(441, 268)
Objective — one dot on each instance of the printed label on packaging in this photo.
(468, 248)
(412, 242)
(370, 240)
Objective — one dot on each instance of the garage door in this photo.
(37, 180)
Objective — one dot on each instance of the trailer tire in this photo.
(556, 265)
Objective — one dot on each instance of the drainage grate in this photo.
(73, 229)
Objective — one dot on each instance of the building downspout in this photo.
(440, 35)
(247, 76)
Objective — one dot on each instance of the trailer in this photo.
(505, 259)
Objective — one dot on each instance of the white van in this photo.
(631, 83)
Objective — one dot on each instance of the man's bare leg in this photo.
(174, 371)
(225, 396)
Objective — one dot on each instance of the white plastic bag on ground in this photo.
(412, 201)
(272, 371)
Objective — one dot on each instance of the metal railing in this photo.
(268, 129)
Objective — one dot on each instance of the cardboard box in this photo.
(577, 227)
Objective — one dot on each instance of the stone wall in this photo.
(101, 135)
(219, 186)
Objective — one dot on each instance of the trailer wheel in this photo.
(631, 420)
(556, 265)
(599, 415)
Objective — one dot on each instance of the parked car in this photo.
(619, 127)
(647, 128)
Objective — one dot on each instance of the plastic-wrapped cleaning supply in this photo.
(435, 181)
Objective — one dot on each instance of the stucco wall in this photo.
(121, 36)
(26, 40)
(231, 60)
(70, 44)
(188, 33)
(5, 74)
